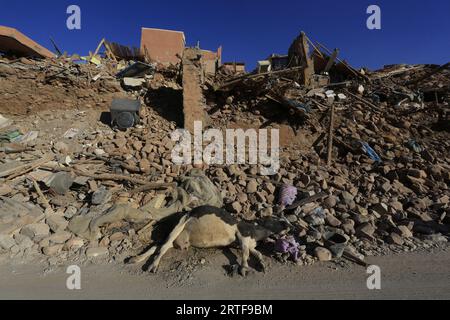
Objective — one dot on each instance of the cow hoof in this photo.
(153, 268)
(133, 260)
(263, 268)
(243, 271)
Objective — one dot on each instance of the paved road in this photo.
(403, 276)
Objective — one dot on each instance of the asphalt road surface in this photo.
(422, 275)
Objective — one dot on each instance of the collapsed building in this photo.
(364, 154)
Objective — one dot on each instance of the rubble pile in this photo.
(27, 85)
(365, 166)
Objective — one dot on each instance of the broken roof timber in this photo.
(13, 41)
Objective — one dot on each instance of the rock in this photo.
(144, 165)
(117, 236)
(348, 226)
(60, 182)
(15, 249)
(269, 187)
(386, 186)
(36, 231)
(292, 218)
(70, 212)
(360, 219)
(242, 197)
(101, 196)
(104, 242)
(52, 250)
(365, 230)
(347, 197)
(6, 242)
(435, 237)
(380, 208)
(5, 189)
(266, 212)
(57, 223)
(405, 232)
(252, 186)
(314, 220)
(362, 211)
(396, 205)
(97, 252)
(23, 241)
(61, 147)
(322, 254)
(59, 237)
(74, 244)
(330, 202)
(394, 238)
(236, 207)
(134, 83)
(99, 152)
(416, 173)
(332, 220)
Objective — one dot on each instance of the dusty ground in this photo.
(420, 275)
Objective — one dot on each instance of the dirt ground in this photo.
(420, 275)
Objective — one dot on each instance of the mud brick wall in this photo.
(193, 99)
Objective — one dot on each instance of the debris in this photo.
(413, 145)
(136, 70)
(101, 196)
(133, 83)
(16, 169)
(330, 136)
(287, 196)
(370, 152)
(125, 113)
(97, 252)
(6, 242)
(27, 137)
(14, 215)
(107, 188)
(14, 42)
(288, 245)
(60, 182)
(57, 223)
(4, 122)
(71, 133)
(323, 254)
(36, 231)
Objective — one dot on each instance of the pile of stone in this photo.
(386, 188)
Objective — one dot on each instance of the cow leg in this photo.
(169, 243)
(143, 256)
(245, 247)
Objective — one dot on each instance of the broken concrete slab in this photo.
(14, 215)
(14, 42)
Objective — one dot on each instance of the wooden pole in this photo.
(330, 136)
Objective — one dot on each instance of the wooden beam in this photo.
(331, 60)
(330, 136)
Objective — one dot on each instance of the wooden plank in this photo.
(330, 136)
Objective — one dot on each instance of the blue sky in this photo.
(414, 31)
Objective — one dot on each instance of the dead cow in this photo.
(208, 227)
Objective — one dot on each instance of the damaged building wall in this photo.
(298, 56)
(163, 46)
(211, 60)
(235, 67)
(193, 99)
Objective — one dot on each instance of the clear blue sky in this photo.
(414, 31)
